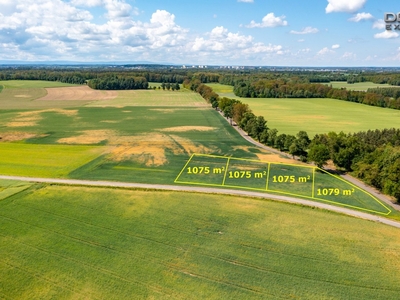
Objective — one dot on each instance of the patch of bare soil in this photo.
(78, 93)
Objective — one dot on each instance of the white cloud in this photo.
(348, 6)
(325, 51)
(336, 46)
(269, 21)
(246, 1)
(54, 29)
(301, 40)
(361, 17)
(306, 30)
(222, 45)
(386, 35)
(348, 55)
(379, 24)
(87, 3)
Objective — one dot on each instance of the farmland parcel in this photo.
(98, 243)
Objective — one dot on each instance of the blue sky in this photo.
(201, 32)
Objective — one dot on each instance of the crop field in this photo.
(143, 144)
(295, 180)
(95, 243)
(147, 144)
(44, 160)
(319, 115)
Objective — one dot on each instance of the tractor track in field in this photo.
(179, 188)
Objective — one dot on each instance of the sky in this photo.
(202, 32)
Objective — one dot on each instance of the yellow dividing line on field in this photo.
(184, 167)
(228, 158)
(226, 170)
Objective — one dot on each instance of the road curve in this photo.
(180, 188)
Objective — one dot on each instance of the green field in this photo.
(44, 160)
(61, 242)
(318, 115)
(358, 86)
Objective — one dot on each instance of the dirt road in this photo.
(208, 190)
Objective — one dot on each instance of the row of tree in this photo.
(170, 86)
(373, 156)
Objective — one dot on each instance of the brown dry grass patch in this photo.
(31, 118)
(147, 149)
(150, 149)
(276, 158)
(78, 93)
(266, 156)
(18, 136)
(88, 137)
(188, 128)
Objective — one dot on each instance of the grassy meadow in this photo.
(358, 86)
(94, 243)
(317, 115)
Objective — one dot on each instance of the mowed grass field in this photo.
(358, 86)
(60, 242)
(317, 115)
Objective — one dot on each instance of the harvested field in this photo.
(152, 98)
(78, 93)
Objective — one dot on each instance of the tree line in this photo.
(290, 89)
(118, 83)
(372, 156)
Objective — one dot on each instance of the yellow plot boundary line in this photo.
(228, 158)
